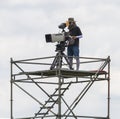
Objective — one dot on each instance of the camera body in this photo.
(60, 38)
(55, 37)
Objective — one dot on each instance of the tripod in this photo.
(57, 62)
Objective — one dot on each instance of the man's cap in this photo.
(71, 19)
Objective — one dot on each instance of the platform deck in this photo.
(65, 72)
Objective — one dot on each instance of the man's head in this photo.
(71, 19)
(71, 23)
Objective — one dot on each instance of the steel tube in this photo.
(11, 90)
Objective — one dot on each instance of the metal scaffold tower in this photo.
(59, 90)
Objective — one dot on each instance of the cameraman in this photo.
(73, 44)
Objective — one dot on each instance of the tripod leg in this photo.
(57, 61)
(68, 61)
(54, 62)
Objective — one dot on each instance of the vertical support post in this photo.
(59, 85)
(108, 88)
(59, 99)
(11, 90)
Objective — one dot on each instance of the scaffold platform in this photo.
(56, 104)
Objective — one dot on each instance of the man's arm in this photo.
(74, 37)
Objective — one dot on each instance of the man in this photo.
(73, 45)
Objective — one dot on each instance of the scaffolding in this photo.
(53, 86)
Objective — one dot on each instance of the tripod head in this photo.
(61, 46)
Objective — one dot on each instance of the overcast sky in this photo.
(24, 23)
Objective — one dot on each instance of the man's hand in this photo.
(74, 37)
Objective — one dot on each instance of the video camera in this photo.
(57, 37)
(61, 38)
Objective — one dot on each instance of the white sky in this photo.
(23, 24)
